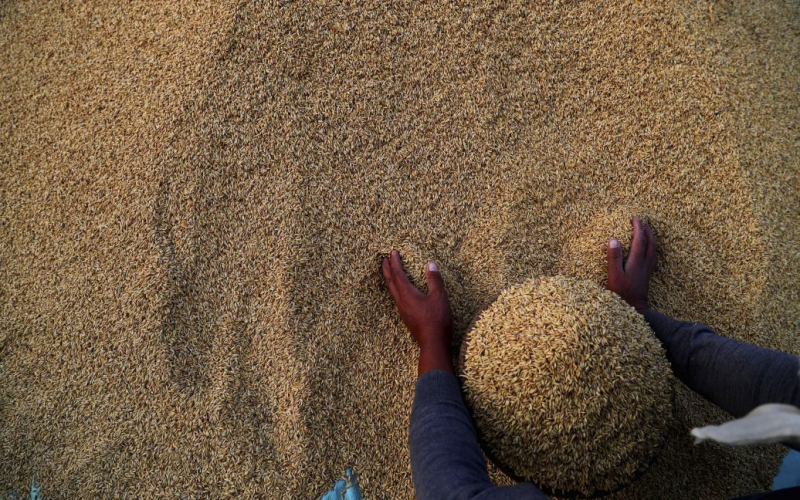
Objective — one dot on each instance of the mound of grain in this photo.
(568, 385)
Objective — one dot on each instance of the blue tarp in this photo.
(344, 489)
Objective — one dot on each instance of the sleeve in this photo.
(733, 375)
(446, 459)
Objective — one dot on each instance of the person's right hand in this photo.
(631, 280)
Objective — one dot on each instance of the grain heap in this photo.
(568, 386)
(193, 196)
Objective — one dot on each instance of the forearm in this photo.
(446, 459)
(436, 357)
(734, 375)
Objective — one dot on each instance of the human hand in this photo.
(427, 316)
(631, 282)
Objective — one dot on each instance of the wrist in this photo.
(436, 339)
(439, 345)
(435, 356)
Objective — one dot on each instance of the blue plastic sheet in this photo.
(344, 489)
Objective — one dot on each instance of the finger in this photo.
(400, 277)
(434, 278)
(639, 243)
(652, 246)
(388, 276)
(614, 255)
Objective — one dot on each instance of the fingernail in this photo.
(432, 267)
(395, 252)
(614, 243)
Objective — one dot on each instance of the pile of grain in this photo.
(193, 196)
(568, 386)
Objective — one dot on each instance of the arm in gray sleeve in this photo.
(446, 459)
(733, 375)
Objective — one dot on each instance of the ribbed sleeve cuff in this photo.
(663, 326)
(436, 386)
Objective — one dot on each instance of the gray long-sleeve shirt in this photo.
(446, 459)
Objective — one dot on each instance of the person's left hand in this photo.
(427, 316)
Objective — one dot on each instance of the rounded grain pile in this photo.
(568, 386)
(193, 195)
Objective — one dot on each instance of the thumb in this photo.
(433, 278)
(614, 259)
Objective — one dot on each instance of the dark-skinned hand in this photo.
(426, 315)
(630, 280)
